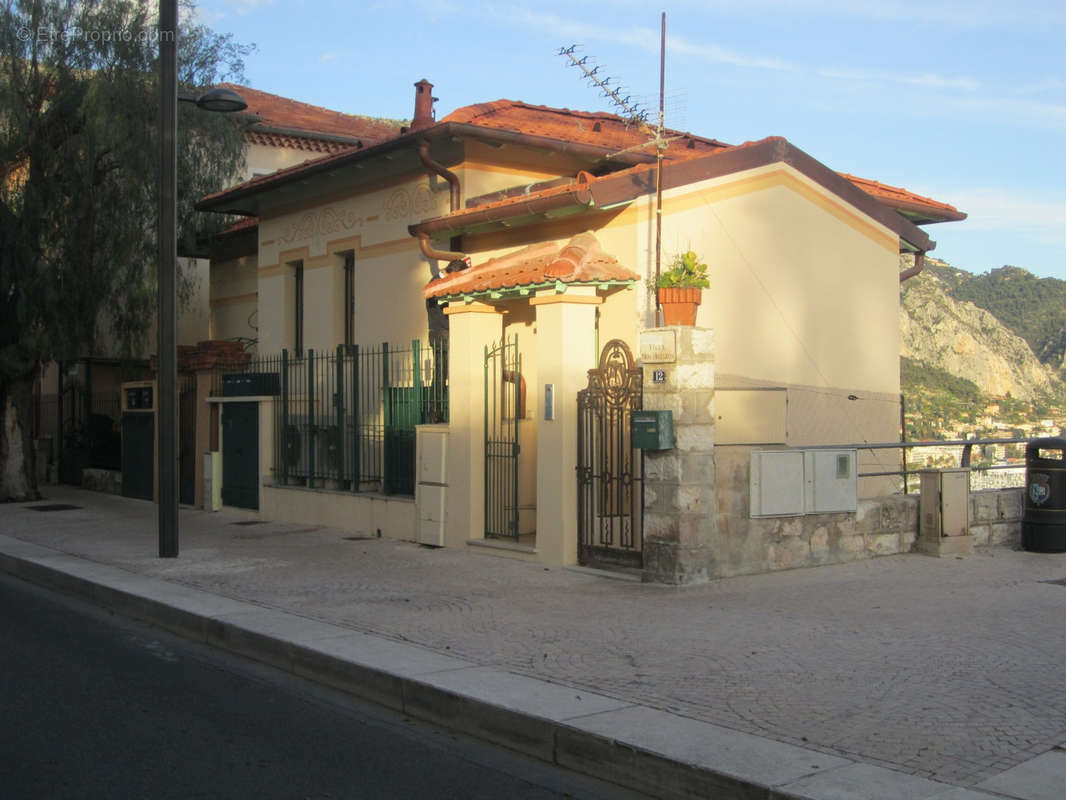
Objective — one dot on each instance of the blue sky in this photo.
(961, 101)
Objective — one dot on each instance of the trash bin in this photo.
(1044, 522)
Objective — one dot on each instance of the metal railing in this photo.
(346, 420)
(965, 457)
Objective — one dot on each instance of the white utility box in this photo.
(787, 483)
(777, 484)
(831, 480)
(212, 481)
(431, 488)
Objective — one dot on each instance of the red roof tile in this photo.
(292, 142)
(240, 225)
(578, 261)
(896, 197)
(281, 112)
(582, 127)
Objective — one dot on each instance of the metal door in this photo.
(503, 369)
(240, 455)
(610, 485)
(138, 454)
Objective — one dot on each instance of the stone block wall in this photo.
(881, 526)
(697, 514)
(679, 495)
(996, 516)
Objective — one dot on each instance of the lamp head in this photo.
(221, 100)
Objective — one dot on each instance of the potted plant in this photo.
(680, 288)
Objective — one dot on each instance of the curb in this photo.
(640, 748)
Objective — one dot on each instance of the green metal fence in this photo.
(346, 420)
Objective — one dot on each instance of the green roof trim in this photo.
(526, 290)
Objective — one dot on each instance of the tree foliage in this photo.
(79, 173)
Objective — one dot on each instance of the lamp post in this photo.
(213, 100)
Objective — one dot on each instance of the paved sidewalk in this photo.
(903, 676)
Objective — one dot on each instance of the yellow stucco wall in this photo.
(261, 160)
(390, 271)
(804, 295)
(234, 299)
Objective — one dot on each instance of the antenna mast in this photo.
(638, 115)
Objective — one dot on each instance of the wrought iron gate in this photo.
(503, 369)
(610, 473)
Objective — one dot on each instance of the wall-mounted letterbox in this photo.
(652, 430)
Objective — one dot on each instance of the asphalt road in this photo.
(96, 706)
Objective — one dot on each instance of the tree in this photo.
(79, 168)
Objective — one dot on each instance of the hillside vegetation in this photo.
(1033, 308)
(982, 355)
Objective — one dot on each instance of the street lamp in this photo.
(213, 100)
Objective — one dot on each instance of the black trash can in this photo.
(1044, 523)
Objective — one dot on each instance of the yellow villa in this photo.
(457, 339)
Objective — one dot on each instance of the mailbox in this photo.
(652, 430)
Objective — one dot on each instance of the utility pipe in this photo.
(919, 265)
(440, 169)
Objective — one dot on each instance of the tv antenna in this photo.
(635, 112)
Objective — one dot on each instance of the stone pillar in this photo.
(473, 326)
(680, 510)
(566, 329)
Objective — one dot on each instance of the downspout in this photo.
(919, 265)
(454, 200)
(437, 255)
(439, 169)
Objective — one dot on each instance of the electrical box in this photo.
(138, 396)
(251, 384)
(431, 490)
(794, 482)
(831, 478)
(652, 430)
(944, 510)
(212, 481)
(776, 487)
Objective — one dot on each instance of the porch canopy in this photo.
(544, 265)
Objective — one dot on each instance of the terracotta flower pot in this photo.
(679, 304)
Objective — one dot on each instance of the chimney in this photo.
(424, 101)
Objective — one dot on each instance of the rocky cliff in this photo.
(968, 342)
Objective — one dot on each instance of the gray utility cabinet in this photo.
(944, 513)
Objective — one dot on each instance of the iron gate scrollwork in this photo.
(610, 472)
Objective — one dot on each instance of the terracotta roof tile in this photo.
(897, 197)
(282, 112)
(309, 143)
(240, 225)
(582, 127)
(578, 261)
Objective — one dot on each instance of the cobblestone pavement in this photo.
(948, 669)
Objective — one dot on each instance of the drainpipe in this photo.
(439, 169)
(919, 265)
(454, 200)
(438, 255)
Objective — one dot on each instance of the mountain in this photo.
(965, 370)
(1033, 308)
(968, 341)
